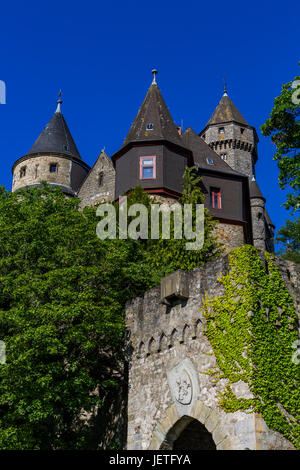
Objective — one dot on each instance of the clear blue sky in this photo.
(101, 55)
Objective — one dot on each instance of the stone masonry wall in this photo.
(38, 169)
(91, 191)
(167, 381)
(237, 146)
(231, 236)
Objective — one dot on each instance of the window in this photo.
(223, 156)
(147, 168)
(215, 198)
(149, 126)
(221, 130)
(23, 172)
(100, 178)
(66, 147)
(210, 161)
(242, 130)
(53, 168)
(203, 136)
(36, 173)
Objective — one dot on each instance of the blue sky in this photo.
(101, 55)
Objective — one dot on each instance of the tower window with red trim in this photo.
(215, 198)
(147, 168)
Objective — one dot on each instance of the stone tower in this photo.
(257, 202)
(53, 158)
(228, 133)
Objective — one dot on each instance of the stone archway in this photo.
(188, 434)
(175, 430)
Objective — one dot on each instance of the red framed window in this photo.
(215, 198)
(147, 168)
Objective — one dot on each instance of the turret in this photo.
(53, 158)
(257, 202)
(153, 154)
(228, 133)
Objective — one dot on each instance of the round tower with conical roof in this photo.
(229, 134)
(257, 202)
(53, 158)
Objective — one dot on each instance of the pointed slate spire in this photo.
(56, 137)
(226, 111)
(153, 121)
(255, 192)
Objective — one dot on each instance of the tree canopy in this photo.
(283, 126)
(62, 302)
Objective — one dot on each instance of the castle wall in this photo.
(231, 236)
(91, 191)
(168, 384)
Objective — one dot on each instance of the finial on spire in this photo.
(225, 86)
(154, 72)
(59, 102)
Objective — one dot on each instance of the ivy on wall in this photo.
(253, 328)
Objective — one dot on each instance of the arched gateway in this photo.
(173, 399)
(188, 434)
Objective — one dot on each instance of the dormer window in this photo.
(221, 130)
(215, 198)
(149, 126)
(23, 172)
(53, 168)
(147, 168)
(210, 161)
(66, 147)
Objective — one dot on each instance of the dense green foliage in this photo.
(283, 126)
(166, 256)
(62, 301)
(253, 329)
(288, 238)
(62, 293)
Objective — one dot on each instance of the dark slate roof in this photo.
(55, 138)
(153, 111)
(255, 191)
(226, 111)
(202, 151)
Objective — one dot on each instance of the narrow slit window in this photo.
(215, 198)
(23, 172)
(100, 178)
(147, 168)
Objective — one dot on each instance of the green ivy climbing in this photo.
(253, 329)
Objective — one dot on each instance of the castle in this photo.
(169, 400)
(154, 155)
